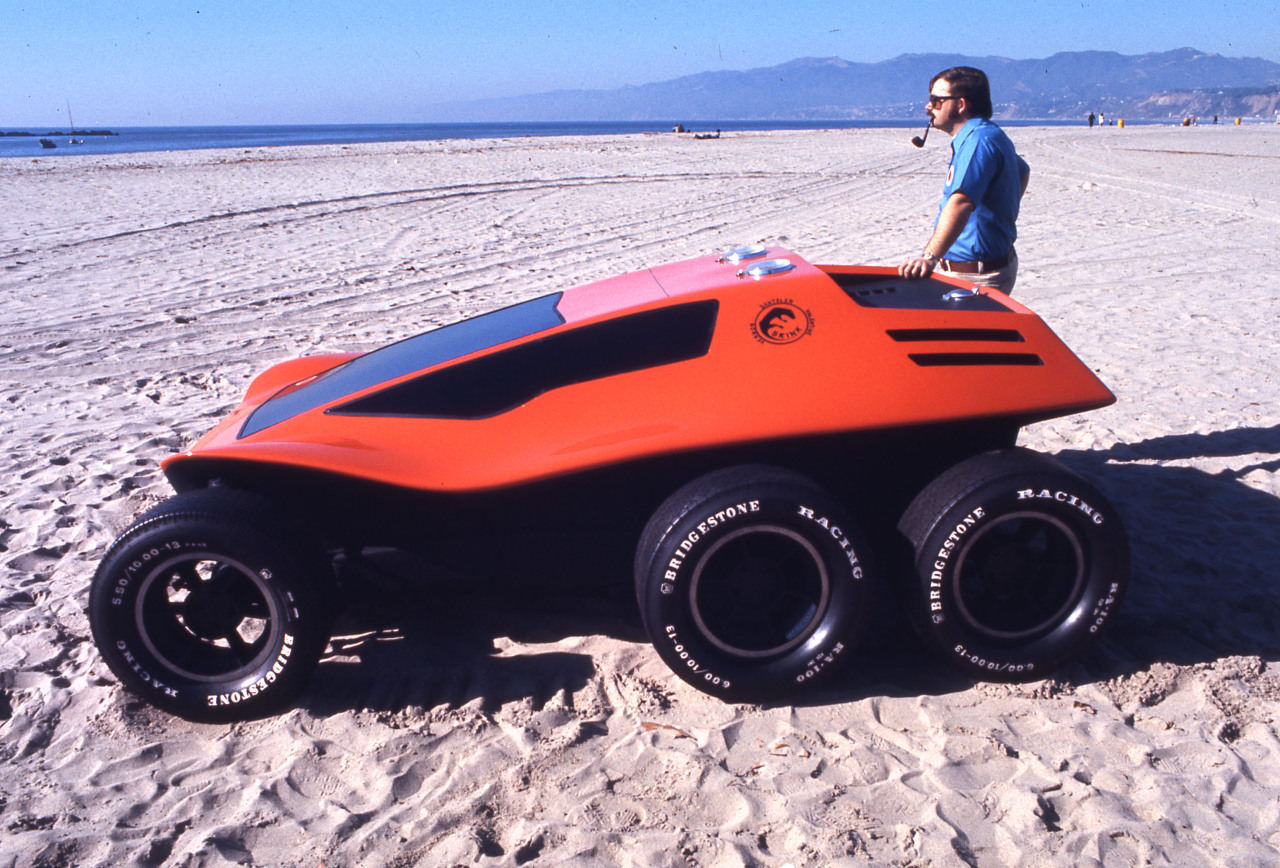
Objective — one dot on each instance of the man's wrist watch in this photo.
(929, 256)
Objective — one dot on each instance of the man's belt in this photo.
(980, 266)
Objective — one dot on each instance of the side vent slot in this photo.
(956, 360)
(1009, 336)
(871, 292)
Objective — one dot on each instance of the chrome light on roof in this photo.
(740, 253)
(769, 266)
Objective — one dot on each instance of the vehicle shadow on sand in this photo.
(1205, 549)
(426, 636)
(1205, 586)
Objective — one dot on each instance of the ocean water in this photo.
(139, 139)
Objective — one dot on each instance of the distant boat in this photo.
(71, 120)
(47, 143)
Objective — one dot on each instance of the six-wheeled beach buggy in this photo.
(771, 435)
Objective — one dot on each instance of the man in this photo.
(976, 225)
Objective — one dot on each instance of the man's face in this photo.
(948, 112)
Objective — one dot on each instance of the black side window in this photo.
(495, 383)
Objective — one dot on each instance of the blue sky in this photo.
(161, 62)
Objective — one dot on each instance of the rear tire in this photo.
(205, 608)
(1019, 564)
(752, 584)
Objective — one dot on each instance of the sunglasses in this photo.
(935, 101)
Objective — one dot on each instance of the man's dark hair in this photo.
(971, 84)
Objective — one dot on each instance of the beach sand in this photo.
(141, 293)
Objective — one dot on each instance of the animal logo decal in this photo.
(781, 321)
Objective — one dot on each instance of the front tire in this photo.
(752, 584)
(1019, 564)
(206, 608)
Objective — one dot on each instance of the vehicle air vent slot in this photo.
(998, 335)
(960, 360)
(868, 293)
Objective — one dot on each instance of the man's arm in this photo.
(955, 214)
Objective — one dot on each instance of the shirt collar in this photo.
(970, 126)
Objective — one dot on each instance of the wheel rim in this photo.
(1019, 577)
(207, 618)
(760, 591)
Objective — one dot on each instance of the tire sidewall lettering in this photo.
(946, 556)
(1083, 520)
(707, 524)
(712, 679)
(695, 535)
(832, 529)
(1008, 667)
(151, 673)
(129, 570)
(259, 685)
(138, 565)
(949, 550)
(1104, 607)
(1064, 496)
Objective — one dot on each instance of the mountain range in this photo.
(1068, 85)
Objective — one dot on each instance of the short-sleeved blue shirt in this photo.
(987, 169)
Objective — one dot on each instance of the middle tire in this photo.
(1020, 564)
(752, 583)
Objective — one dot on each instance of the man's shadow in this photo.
(1205, 586)
(1205, 544)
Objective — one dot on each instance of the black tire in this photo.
(752, 584)
(207, 608)
(1019, 564)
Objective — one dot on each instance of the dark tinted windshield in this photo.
(413, 354)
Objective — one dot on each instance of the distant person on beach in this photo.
(1093, 119)
(976, 225)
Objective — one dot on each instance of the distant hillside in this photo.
(1068, 85)
(1225, 103)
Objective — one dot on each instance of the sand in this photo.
(141, 292)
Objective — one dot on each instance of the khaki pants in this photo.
(1001, 279)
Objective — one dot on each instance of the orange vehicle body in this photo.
(764, 445)
(802, 352)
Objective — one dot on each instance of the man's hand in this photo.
(920, 266)
(955, 213)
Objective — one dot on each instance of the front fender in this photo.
(294, 371)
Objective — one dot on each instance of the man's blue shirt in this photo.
(987, 169)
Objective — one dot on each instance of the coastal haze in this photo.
(1166, 85)
(1065, 87)
(815, 93)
